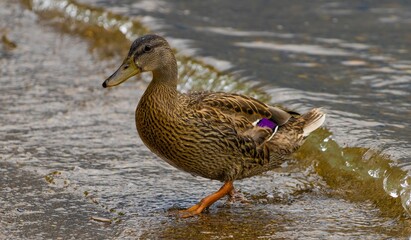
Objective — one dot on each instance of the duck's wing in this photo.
(239, 106)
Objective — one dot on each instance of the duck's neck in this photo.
(163, 88)
(167, 74)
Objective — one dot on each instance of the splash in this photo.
(359, 174)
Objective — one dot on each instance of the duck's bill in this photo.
(124, 72)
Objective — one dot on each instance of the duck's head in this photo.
(150, 53)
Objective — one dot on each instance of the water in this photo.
(78, 141)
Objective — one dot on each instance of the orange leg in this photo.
(208, 201)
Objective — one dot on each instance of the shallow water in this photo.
(64, 130)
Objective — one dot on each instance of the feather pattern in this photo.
(205, 134)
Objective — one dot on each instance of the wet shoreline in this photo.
(33, 205)
(32, 208)
(95, 137)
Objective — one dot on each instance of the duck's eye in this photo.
(147, 48)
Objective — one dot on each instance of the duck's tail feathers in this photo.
(313, 120)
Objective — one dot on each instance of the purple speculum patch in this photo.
(264, 122)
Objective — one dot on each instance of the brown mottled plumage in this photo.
(209, 134)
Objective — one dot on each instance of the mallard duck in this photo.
(215, 135)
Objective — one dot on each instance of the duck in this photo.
(216, 135)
